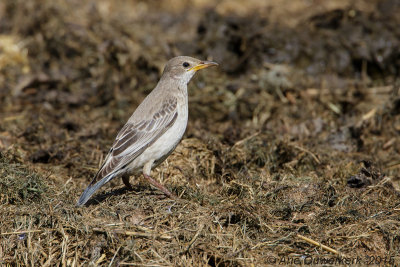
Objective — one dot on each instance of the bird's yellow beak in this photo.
(203, 65)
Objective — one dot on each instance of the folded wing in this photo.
(130, 142)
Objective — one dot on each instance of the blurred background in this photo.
(303, 111)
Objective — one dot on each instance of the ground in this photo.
(291, 155)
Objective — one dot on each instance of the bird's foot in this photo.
(160, 186)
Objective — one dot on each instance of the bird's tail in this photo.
(92, 188)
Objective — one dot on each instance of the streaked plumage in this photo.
(154, 129)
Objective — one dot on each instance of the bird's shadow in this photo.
(97, 199)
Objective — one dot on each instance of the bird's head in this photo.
(183, 68)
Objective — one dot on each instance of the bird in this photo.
(153, 131)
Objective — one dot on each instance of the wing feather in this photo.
(135, 137)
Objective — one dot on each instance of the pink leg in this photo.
(159, 186)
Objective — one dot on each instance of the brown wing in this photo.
(134, 138)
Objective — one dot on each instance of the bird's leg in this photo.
(125, 179)
(159, 186)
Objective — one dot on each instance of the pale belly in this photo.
(160, 149)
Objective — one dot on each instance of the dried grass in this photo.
(276, 164)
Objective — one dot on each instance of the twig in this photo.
(137, 234)
(315, 243)
(64, 245)
(369, 114)
(308, 152)
(245, 139)
(148, 235)
(102, 257)
(195, 237)
(393, 166)
(21, 232)
(276, 241)
(334, 108)
(139, 264)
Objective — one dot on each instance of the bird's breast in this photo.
(165, 144)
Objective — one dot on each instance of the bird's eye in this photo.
(185, 64)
